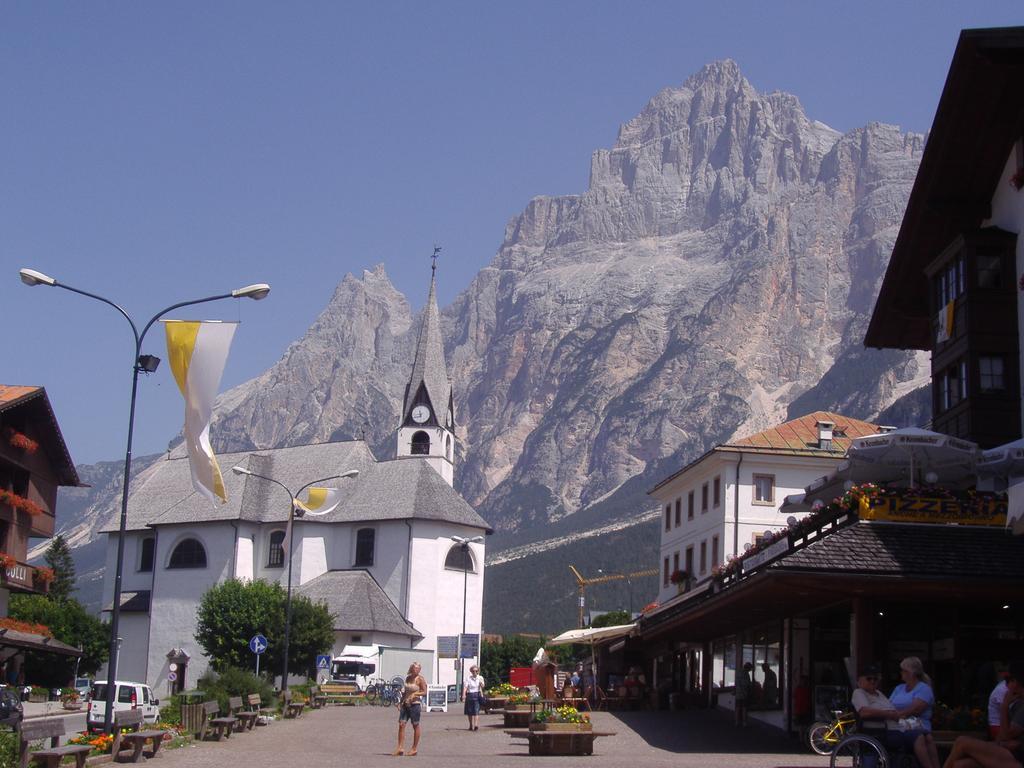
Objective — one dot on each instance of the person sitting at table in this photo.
(1007, 751)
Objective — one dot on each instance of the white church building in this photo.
(383, 560)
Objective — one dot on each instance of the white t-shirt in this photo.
(474, 684)
(876, 700)
(995, 701)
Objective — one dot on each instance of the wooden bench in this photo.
(291, 708)
(256, 705)
(53, 729)
(317, 698)
(246, 719)
(222, 725)
(559, 742)
(340, 693)
(136, 738)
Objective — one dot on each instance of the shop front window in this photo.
(762, 650)
(723, 662)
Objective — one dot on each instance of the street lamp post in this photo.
(148, 364)
(294, 510)
(463, 542)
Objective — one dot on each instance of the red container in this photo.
(521, 677)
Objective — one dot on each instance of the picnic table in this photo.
(246, 719)
(135, 738)
(53, 729)
(292, 708)
(223, 726)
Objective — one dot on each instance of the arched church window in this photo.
(460, 559)
(146, 551)
(420, 444)
(275, 554)
(189, 553)
(364, 547)
(448, 447)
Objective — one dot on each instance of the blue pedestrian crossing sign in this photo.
(258, 644)
(323, 661)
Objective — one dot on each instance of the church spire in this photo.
(429, 383)
(427, 430)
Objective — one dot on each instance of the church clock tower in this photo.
(427, 429)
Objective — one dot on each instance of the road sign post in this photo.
(258, 644)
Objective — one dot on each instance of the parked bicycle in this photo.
(824, 737)
(383, 692)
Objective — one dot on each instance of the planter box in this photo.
(564, 727)
(517, 718)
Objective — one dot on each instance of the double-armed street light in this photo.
(467, 563)
(295, 509)
(140, 363)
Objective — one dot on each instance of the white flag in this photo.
(197, 352)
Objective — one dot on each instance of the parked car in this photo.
(128, 695)
(83, 685)
(10, 707)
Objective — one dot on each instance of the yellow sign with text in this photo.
(922, 509)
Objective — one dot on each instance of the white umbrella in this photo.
(915, 448)
(1004, 460)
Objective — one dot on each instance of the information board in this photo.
(447, 646)
(437, 698)
(453, 694)
(469, 646)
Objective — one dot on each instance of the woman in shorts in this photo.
(409, 709)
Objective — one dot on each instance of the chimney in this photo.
(825, 435)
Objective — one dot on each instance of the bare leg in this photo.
(921, 752)
(933, 751)
(969, 752)
(400, 749)
(415, 739)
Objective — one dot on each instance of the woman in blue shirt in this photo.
(914, 699)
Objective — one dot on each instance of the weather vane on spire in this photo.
(433, 262)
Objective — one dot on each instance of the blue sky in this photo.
(154, 153)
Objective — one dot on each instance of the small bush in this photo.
(234, 682)
(8, 749)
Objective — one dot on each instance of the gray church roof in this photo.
(357, 602)
(429, 366)
(390, 490)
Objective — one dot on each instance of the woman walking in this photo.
(409, 709)
(472, 695)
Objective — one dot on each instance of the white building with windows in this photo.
(727, 499)
(383, 561)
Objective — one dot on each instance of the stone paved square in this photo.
(365, 736)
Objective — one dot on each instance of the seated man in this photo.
(1007, 751)
(879, 717)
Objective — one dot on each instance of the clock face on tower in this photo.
(420, 414)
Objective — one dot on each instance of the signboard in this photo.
(770, 552)
(923, 509)
(258, 644)
(172, 676)
(469, 646)
(453, 694)
(323, 661)
(447, 646)
(437, 698)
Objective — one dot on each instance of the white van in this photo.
(128, 695)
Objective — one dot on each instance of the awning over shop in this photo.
(12, 638)
(592, 635)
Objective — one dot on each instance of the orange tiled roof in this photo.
(802, 433)
(9, 393)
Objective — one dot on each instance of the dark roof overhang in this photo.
(979, 118)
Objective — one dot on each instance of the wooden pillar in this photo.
(862, 633)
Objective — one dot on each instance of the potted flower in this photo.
(680, 578)
(564, 718)
(6, 561)
(43, 576)
(71, 699)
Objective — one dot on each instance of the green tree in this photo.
(611, 619)
(58, 557)
(232, 612)
(513, 651)
(70, 623)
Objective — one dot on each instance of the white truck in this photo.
(359, 664)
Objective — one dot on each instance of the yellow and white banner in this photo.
(197, 352)
(320, 501)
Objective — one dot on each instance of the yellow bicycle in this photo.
(823, 737)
